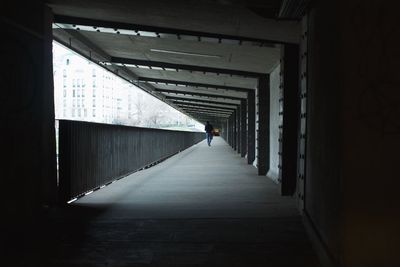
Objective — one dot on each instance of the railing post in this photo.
(92, 154)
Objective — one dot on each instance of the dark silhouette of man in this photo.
(209, 132)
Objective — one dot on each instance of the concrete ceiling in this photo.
(225, 56)
(179, 50)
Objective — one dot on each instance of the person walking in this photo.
(209, 132)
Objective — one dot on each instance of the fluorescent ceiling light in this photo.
(143, 67)
(183, 53)
(88, 193)
(72, 200)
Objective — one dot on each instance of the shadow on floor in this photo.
(203, 207)
(78, 239)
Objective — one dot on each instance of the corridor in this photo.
(308, 90)
(202, 207)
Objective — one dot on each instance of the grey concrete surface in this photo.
(274, 122)
(222, 17)
(203, 207)
(200, 182)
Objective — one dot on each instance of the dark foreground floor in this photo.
(202, 207)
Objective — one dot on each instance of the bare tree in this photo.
(138, 110)
(155, 115)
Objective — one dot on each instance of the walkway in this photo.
(202, 207)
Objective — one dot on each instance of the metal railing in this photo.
(93, 154)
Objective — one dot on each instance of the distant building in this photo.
(84, 91)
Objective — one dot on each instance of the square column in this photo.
(239, 129)
(234, 124)
(243, 128)
(289, 109)
(263, 96)
(251, 127)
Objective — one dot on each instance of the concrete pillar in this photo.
(27, 113)
(231, 130)
(238, 129)
(353, 132)
(243, 128)
(275, 121)
(226, 129)
(251, 127)
(289, 113)
(223, 130)
(263, 125)
(234, 130)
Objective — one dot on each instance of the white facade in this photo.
(86, 92)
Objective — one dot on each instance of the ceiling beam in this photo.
(212, 119)
(159, 64)
(206, 117)
(193, 84)
(161, 32)
(205, 108)
(227, 107)
(208, 114)
(207, 111)
(201, 100)
(198, 94)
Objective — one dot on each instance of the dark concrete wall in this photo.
(322, 192)
(263, 97)
(370, 132)
(28, 167)
(289, 130)
(353, 141)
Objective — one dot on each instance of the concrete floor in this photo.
(202, 207)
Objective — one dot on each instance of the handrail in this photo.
(94, 154)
